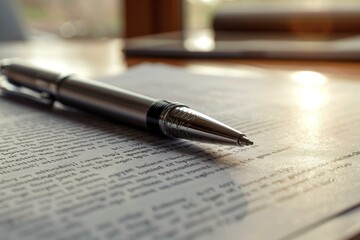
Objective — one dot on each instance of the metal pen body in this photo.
(85, 94)
(159, 116)
(114, 103)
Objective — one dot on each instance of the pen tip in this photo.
(3, 63)
(243, 140)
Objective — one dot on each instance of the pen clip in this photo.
(18, 91)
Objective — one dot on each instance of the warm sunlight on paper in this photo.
(311, 94)
(309, 78)
(311, 98)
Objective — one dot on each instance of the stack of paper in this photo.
(69, 175)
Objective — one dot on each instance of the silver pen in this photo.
(163, 117)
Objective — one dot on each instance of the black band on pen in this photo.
(153, 116)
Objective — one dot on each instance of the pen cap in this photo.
(27, 76)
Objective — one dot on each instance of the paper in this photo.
(344, 226)
(69, 175)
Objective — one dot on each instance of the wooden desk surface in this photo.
(104, 57)
(101, 58)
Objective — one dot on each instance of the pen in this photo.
(163, 117)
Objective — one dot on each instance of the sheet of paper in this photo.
(344, 226)
(69, 175)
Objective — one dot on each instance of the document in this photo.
(343, 226)
(66, 174)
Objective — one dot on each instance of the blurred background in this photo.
(72, 19)
(111, 35)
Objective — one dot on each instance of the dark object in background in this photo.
(151, 17)
(291, 19)
(274, 32)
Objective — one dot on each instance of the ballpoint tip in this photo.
(3, 63)
(243, 140)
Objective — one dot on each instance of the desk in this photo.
(103, 57)
(100, 58)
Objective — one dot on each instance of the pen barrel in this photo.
(160, 116)
(27, 76)
(114, 103)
